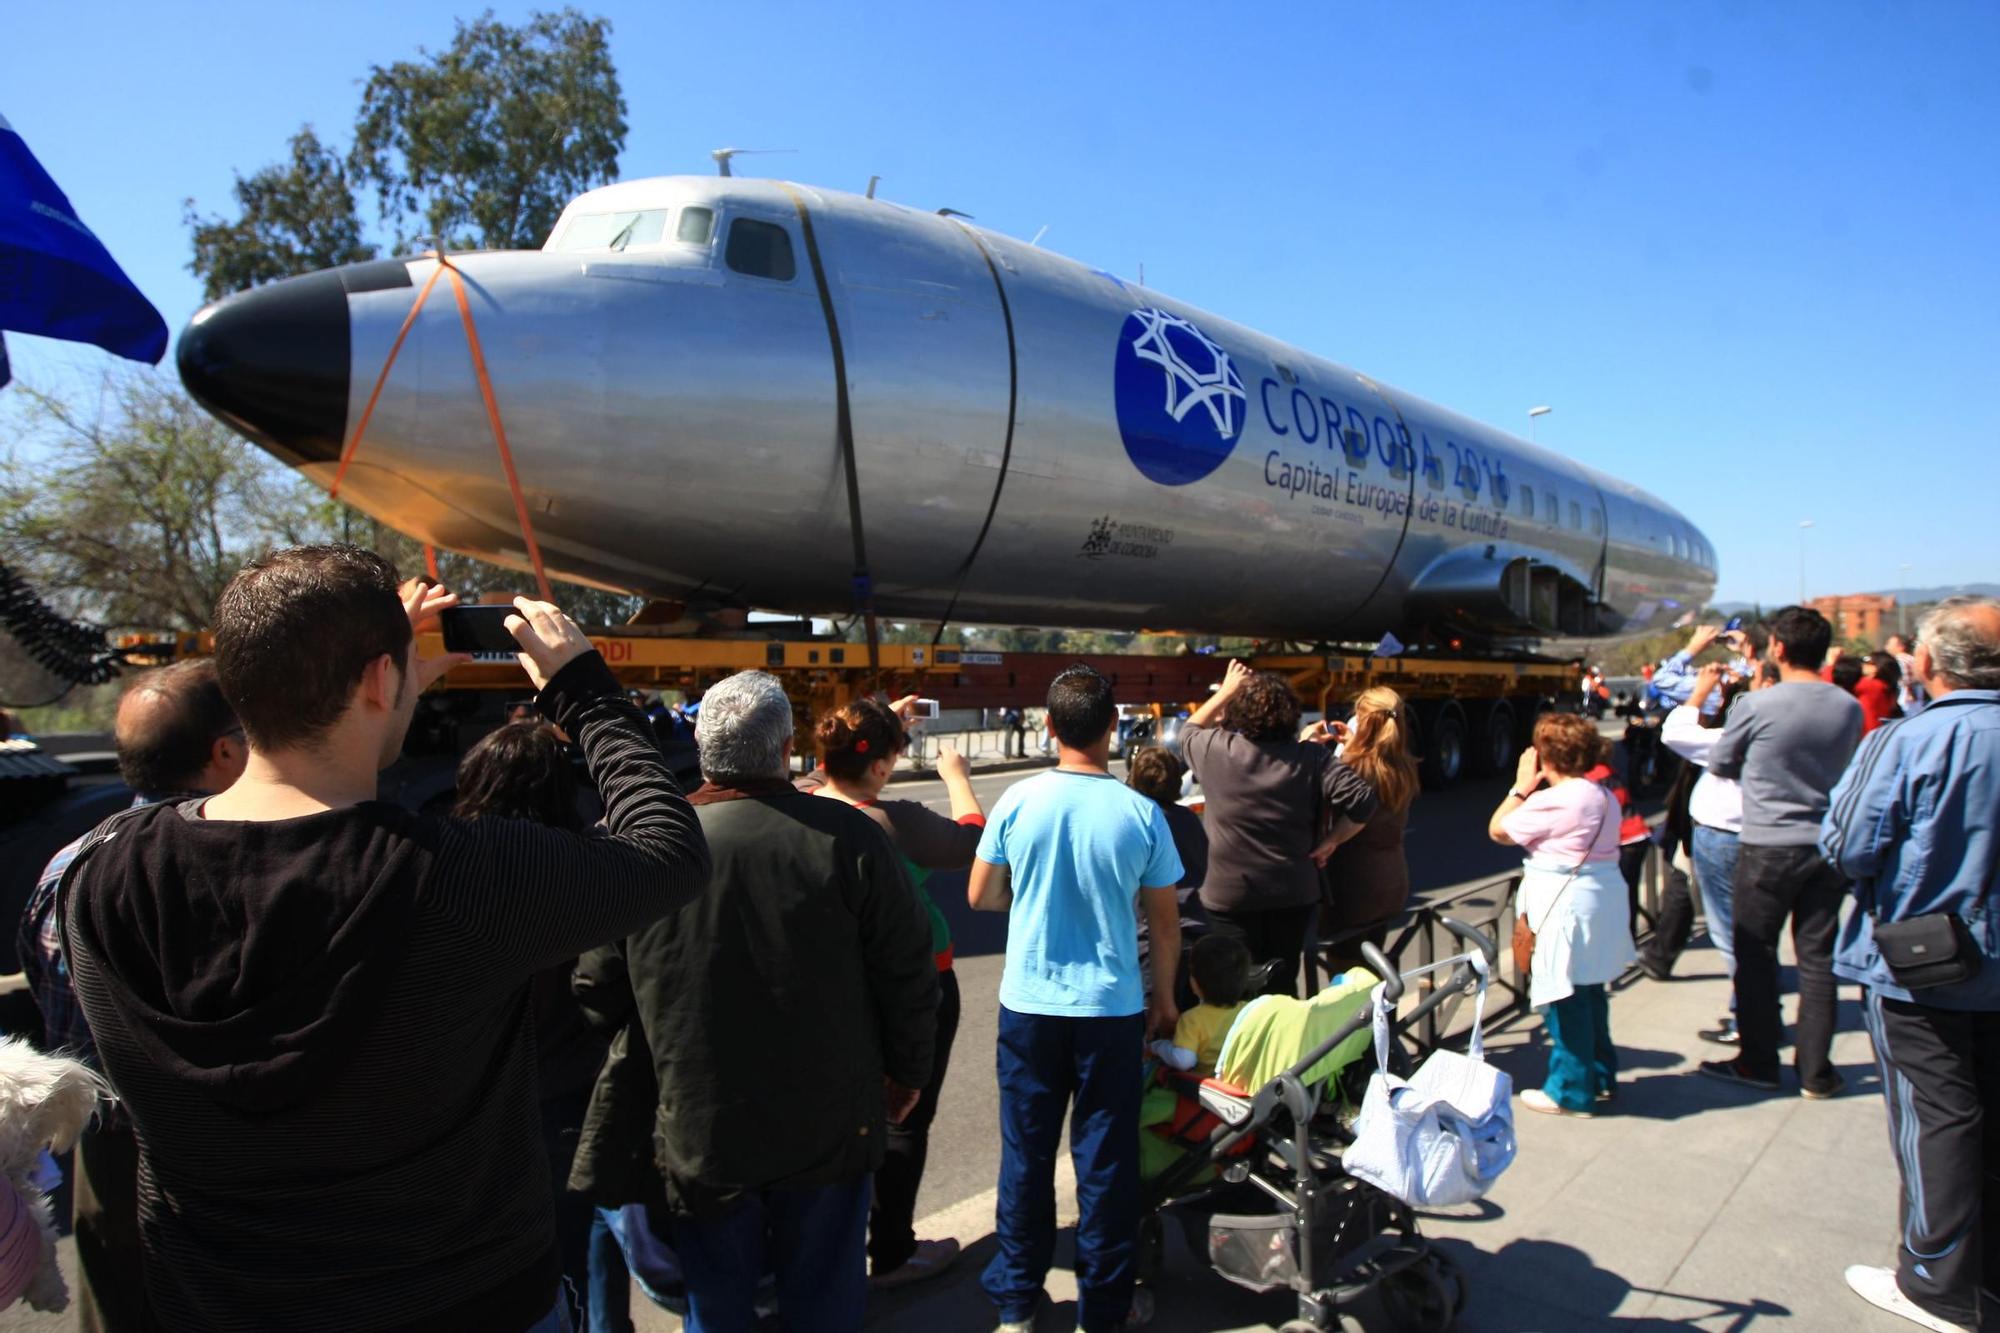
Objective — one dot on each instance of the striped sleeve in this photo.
(537, 896)
(1865, 814)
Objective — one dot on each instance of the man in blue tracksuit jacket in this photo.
(1915, 825)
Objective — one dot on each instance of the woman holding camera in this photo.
(1573, 898)
(1274, 799)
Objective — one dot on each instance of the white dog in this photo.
(45, 1102)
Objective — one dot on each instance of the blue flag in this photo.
(56, 277)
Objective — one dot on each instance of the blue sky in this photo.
(1747, 251)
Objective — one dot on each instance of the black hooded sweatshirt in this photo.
(320, 1027)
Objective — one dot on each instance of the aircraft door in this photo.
(929, 372)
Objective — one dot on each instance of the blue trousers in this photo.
(1582, 1060)
(608, 1300)
(815, 1240)
(1045, 1065)
(1714, 852)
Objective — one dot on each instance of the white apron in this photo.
(1583, 934)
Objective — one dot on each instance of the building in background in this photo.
(1855, 616)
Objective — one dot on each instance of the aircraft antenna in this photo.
(1038, 235)
(873, 181)
(723, 155)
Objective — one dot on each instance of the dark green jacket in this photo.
(772, 1006)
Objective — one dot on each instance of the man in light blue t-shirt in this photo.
(1074, 854)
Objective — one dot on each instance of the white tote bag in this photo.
(1442, 1137)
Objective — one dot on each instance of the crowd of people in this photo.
(384, 1069)
(1853, 802)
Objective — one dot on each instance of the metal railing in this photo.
(1486, 904)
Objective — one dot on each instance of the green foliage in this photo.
(987, 639)
(297, 216)
(139, 507)
(91, 708)
(485, 142)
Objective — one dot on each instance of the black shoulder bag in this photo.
(1926, 951)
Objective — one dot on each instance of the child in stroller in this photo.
(1268, 1131)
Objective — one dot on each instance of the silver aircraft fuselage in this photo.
(664, 367)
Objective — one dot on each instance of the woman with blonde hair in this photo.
(1365, 882)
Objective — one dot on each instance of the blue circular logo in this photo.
(1180, 401)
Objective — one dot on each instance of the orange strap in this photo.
(492, 416)
(431, 562)
(374, 396)
(499, 433)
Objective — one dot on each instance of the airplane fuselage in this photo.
(665, 369)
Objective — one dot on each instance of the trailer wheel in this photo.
(1527, 712)
(1493, 749)
(1441, 725)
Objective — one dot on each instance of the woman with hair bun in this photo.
(1365, 882)
(858, 747)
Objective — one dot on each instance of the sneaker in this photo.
(1537, 1100)
(1878, 1287)
(1732, 1071)
(1016, 1325)
(1656, 969)
(930, 1258)
(1724, 1033)
(1607, 1094)
(1827, 1093)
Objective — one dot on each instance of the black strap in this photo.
(1006, 444)
(863, 583)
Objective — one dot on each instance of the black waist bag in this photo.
(1927, 951)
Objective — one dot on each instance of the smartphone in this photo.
(927, 709)
(477, 629)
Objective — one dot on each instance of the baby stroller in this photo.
(1260, 1188)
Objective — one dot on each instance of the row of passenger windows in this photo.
(1691, 549)
(1552, 511)
(757, 248)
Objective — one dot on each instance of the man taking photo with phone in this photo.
(314, 1003)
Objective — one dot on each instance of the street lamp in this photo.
(1804, 523)
(1533, 414)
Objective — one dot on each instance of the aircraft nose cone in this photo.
(273, 363)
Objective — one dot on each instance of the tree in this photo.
(298, 216)
(137, 510)
(484, 143)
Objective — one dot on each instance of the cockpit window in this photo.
(1528, 501)
(1551, 509)
(697, 226)
(1576, 516)
(614, 231)
(760, 249)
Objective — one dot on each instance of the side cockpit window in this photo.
(696, 227)
(760, 249)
